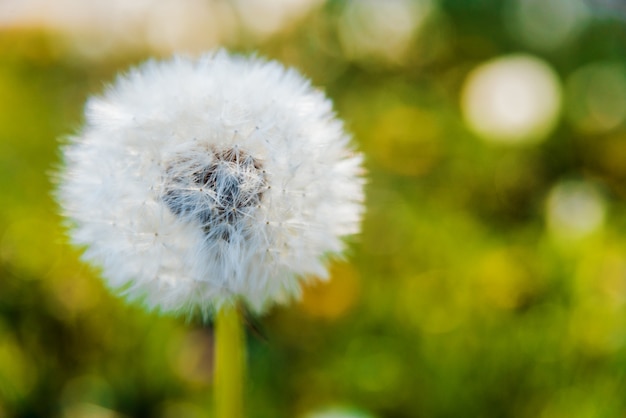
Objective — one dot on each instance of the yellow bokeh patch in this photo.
(333, 298)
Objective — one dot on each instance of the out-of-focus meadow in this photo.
(490, 277)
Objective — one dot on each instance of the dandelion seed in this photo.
(236, 167)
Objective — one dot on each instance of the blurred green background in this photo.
(490, 277)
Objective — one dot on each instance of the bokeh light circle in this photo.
(574, 209)
(339, 412)
(547, 24)
(380, 29)
(513, 99)
(596, 97)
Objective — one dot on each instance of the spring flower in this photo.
(198, 183)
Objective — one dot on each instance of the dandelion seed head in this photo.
(196, 183)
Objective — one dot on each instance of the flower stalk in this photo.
(229, 363)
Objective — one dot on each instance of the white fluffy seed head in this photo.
(197, 183)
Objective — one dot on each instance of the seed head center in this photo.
(218, 192)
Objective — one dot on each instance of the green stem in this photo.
(229, 363)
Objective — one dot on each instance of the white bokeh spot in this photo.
(512, 99)
(574, 210)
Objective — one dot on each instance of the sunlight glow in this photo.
(574, 209)
(384, 30)
(514, 99)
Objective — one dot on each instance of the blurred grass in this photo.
(458, 298)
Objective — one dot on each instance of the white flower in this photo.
(199, 183)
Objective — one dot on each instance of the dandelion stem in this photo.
(229, 363)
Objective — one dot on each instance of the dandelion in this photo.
(200, 184)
